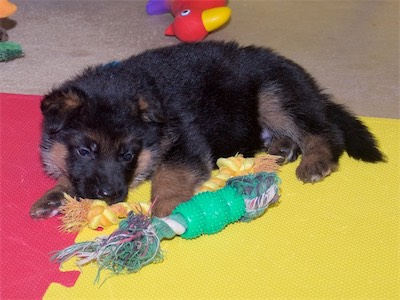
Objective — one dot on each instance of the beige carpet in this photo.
(351, 47)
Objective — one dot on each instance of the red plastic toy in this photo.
(194, 19)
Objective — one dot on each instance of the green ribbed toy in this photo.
(137, 241)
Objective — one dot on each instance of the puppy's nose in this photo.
(106, 192)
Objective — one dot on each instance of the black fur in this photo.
(185, 106)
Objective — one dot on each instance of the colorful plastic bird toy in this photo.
(194, 19)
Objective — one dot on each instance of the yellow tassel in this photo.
(95, 213)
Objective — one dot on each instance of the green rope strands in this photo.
(9, 51)
(128, 249)
(137, 241)
(259, 191)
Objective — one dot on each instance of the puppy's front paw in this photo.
(162, 208)
(313, 171)
(48, 205)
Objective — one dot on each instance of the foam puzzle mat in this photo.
(334, 239)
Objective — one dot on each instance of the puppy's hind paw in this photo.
(285, 148)
(315, 171)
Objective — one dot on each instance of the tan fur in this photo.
(317, 159)
(55, 159)
(66, 102)
(144, 167)
(274, 117)
(108, 144)
(71, 101)
(143, 104)
(172, 185)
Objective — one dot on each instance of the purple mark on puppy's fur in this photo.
(266, 137)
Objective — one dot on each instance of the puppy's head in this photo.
(109, 142)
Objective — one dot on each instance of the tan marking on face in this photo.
(55, 160)
(107, 144)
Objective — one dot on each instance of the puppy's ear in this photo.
(150, 111)
(58, 107)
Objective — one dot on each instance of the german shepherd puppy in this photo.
(167, 115)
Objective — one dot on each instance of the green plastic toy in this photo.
(9, 51)
(137, 241)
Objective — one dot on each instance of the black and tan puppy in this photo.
(168, 114)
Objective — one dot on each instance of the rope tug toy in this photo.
(98, 214)
(137, 241)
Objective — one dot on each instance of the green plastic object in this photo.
(9, 51)
(210, 212)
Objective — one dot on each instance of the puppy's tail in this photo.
(359, 142)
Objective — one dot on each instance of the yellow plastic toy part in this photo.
(7, 8)
(214, 18)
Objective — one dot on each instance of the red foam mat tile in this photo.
(26, 270)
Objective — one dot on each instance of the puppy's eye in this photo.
(127, 156)
(83, 151)
(185, 12)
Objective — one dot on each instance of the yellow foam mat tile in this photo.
(334, 239)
